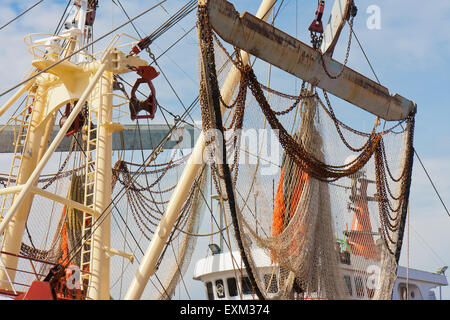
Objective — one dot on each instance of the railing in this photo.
(33, 269)
(52, 47)
(23, 273)
(55, 47)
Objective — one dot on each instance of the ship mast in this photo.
(79, 81)
(38, 138)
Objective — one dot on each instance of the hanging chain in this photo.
(350, 23)
(390, 215)
(61, 168)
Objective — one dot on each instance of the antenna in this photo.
(214, 251)
(77, 31)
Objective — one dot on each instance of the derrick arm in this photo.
(339, 14)
(195, 163)
(287, 53)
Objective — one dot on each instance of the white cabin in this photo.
(217, 272)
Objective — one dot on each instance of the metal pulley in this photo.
(316, 27)
(141, 45)
(77, 123)
(90, 14)
(353, 10)
(147, 73)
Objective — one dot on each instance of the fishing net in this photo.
(55, 233)
(325, 202)
(145, 203)
(61, 234)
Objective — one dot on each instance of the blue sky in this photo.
(410, 54)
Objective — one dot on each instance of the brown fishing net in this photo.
(326, 202)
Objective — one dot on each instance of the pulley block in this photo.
(147, 73)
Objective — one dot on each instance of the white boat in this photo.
(224, 278)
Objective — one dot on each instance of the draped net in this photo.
(324, 201)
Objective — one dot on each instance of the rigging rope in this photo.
(21, 14)
(209, 82)
(59, 26)
(81, 49)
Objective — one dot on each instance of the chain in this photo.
(316, 40)
(346, 54)
(389, 170)
(140, 205)
(58, 175)
(296, 151)
(330, 113)
(301, 97)
(209, 110)
(138, 219)
(390, 215)
(393, 223)
(338, 129)
(61, 168)
(238, 65)
(121, 169)
(146, 221)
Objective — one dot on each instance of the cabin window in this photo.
(359, 287)
(370, 291)
(403, 292)
(348, 283)
(270, 283)
(410, 292)
(344, 257)
(246, 285)
(209, 291)
(232, 287)
(220, 289)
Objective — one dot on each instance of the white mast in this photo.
(37, 142)
(52, 90)
(195, 162)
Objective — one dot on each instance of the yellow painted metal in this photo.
(48, 195)
(15, 219)
(16, 96)
(64, 201)
(115, 252)
(10, 190)
(99, 264)
(112, 127)
(21, 126)
(16, 223)
(65, 82)
(120, 62)
(89, 195)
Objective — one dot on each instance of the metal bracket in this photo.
(114, 252)
(118, 62)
